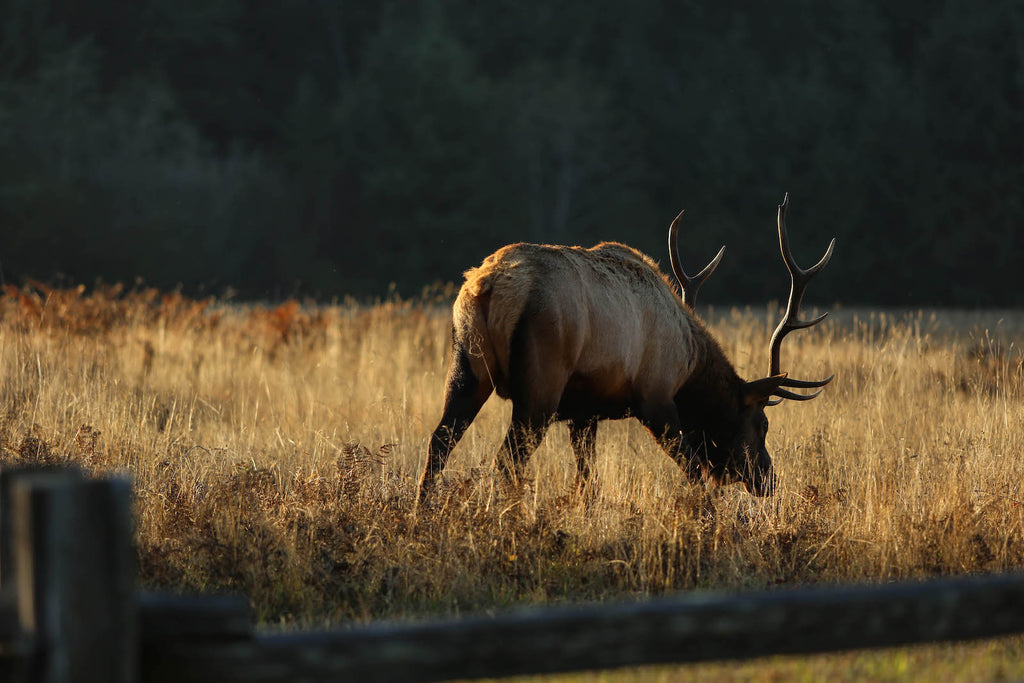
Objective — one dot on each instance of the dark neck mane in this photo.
(709, 399)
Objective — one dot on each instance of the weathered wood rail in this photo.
(69, 611)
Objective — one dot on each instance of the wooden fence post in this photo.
(72, 568)
(8, 475)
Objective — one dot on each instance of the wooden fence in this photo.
(69, 611)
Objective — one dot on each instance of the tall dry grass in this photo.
(275, 451)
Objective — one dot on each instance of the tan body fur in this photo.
(603, 309)
(584, 335)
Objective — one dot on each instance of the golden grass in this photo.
(275, 452)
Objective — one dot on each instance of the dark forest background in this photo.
(324, 148)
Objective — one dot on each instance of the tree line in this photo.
(328, 148)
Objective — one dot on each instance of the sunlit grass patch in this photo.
(275, 451)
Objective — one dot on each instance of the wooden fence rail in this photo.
(69, 612)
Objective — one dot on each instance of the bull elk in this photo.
(584, 335)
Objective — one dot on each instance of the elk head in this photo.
(730, 445)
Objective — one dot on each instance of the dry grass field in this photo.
(275, 452)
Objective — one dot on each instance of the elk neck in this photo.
(709, 400)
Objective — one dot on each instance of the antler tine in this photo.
(787, 253)
(799, 278)
(690, 285)
(782, 393)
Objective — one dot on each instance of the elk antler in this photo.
(790, 321)
(689, 284)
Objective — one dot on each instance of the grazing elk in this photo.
(584, 335)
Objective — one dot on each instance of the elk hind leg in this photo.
(524, 435)
(537, 377)
(583, 437)
(465, 393)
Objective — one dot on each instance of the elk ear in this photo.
(758, 390)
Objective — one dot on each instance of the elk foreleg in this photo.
(583, 437)
(465, 394)
(662, 420)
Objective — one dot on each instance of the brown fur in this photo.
(588, 334)
(601, 308)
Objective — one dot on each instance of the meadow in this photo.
(275, 450)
